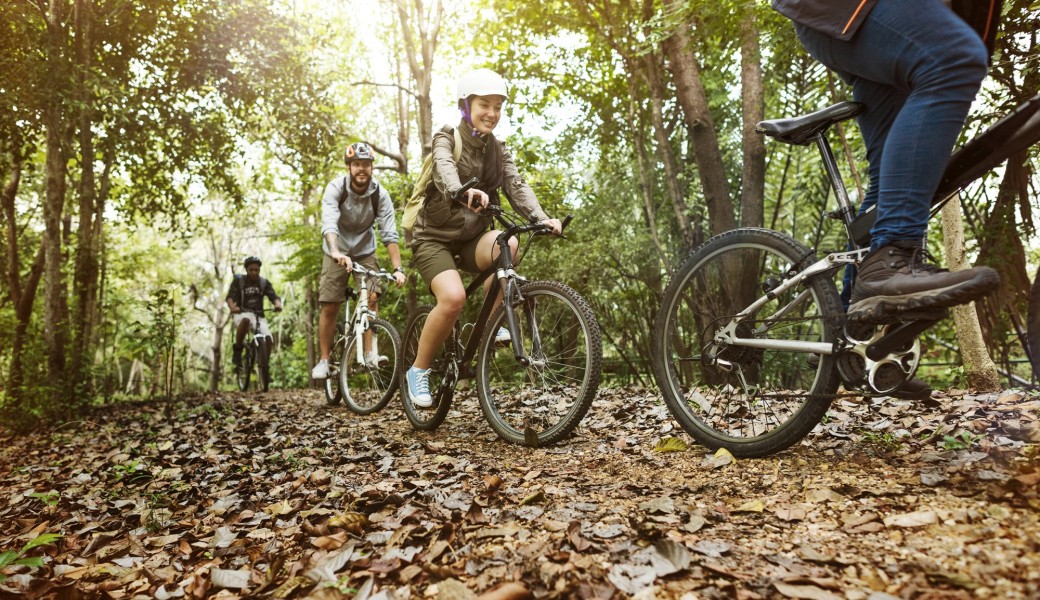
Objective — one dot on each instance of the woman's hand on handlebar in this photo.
(554, 224)
(476, 200)
(399, 278)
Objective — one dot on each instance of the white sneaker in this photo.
(502, 336)
(373, 360)
(419, 387)
(320, 370)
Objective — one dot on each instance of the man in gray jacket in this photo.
(352, 208)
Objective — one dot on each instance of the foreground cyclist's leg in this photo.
(451, 298)
(486, 253)
(917, 66)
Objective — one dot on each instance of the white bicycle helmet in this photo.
(481, 82)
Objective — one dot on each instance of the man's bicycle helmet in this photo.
(252, 259)
(358, 151)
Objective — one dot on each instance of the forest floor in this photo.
(280, 495)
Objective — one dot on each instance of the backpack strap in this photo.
(375, 198)
(456, 153)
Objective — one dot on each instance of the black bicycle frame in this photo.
(503, 267)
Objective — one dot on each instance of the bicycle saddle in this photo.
(801, 130)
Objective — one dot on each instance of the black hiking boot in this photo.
(895, 280)
(914, 389)
(236, 356)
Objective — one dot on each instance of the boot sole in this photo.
(887, 309)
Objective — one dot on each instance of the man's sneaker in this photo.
(419, 387)
(502, 336)
(236, 355)
(373, 360)
(320, 370)
(895, 280)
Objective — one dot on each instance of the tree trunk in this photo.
(55, 317)
(216, 370)
(646, 186)
(427, 27)
(676, 191)
(694, 102)
(752, 189)
(979, 370)
(86, 272)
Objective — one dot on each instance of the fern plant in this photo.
(12, 558)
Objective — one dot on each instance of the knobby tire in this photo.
(541, 403)
(365, 389)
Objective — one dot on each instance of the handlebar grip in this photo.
(566, 221)
(473, 181)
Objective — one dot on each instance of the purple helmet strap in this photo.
(464, 109)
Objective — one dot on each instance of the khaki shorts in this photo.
(332, 288)
(252, 318)
(432, 258)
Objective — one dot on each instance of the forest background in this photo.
(148, 146)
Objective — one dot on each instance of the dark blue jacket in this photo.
(841, 18)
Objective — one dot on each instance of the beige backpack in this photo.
(415, 202)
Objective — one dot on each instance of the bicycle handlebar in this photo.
(496, 211)
(381, 273)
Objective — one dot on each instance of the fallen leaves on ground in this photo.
(280, 496)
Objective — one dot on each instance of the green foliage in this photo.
(961, 440)
(884, 440)
(49, 498)
(15, 558)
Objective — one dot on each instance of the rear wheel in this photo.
(368, 386)
(543, 401)
(444, 374)
(751, 401)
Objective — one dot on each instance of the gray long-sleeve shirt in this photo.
(351, 220)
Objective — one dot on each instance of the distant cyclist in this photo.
(352, 209)
(245, 298)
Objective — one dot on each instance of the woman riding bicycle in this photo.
(445, 229)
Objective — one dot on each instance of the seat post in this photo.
(845, 211)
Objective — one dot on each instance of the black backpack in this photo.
(242, 290)
(375, 199)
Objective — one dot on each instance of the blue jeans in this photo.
(917, 66)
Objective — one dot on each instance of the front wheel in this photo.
(245, 371)
(444, 372)
(263, 367)
(751, 401)
(330, 385)
(543, 401)
(368, 385)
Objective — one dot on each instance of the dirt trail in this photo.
(282, 496)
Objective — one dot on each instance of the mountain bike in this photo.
(751, 342)
(364, 360)
(536, 389)
(255, 358)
